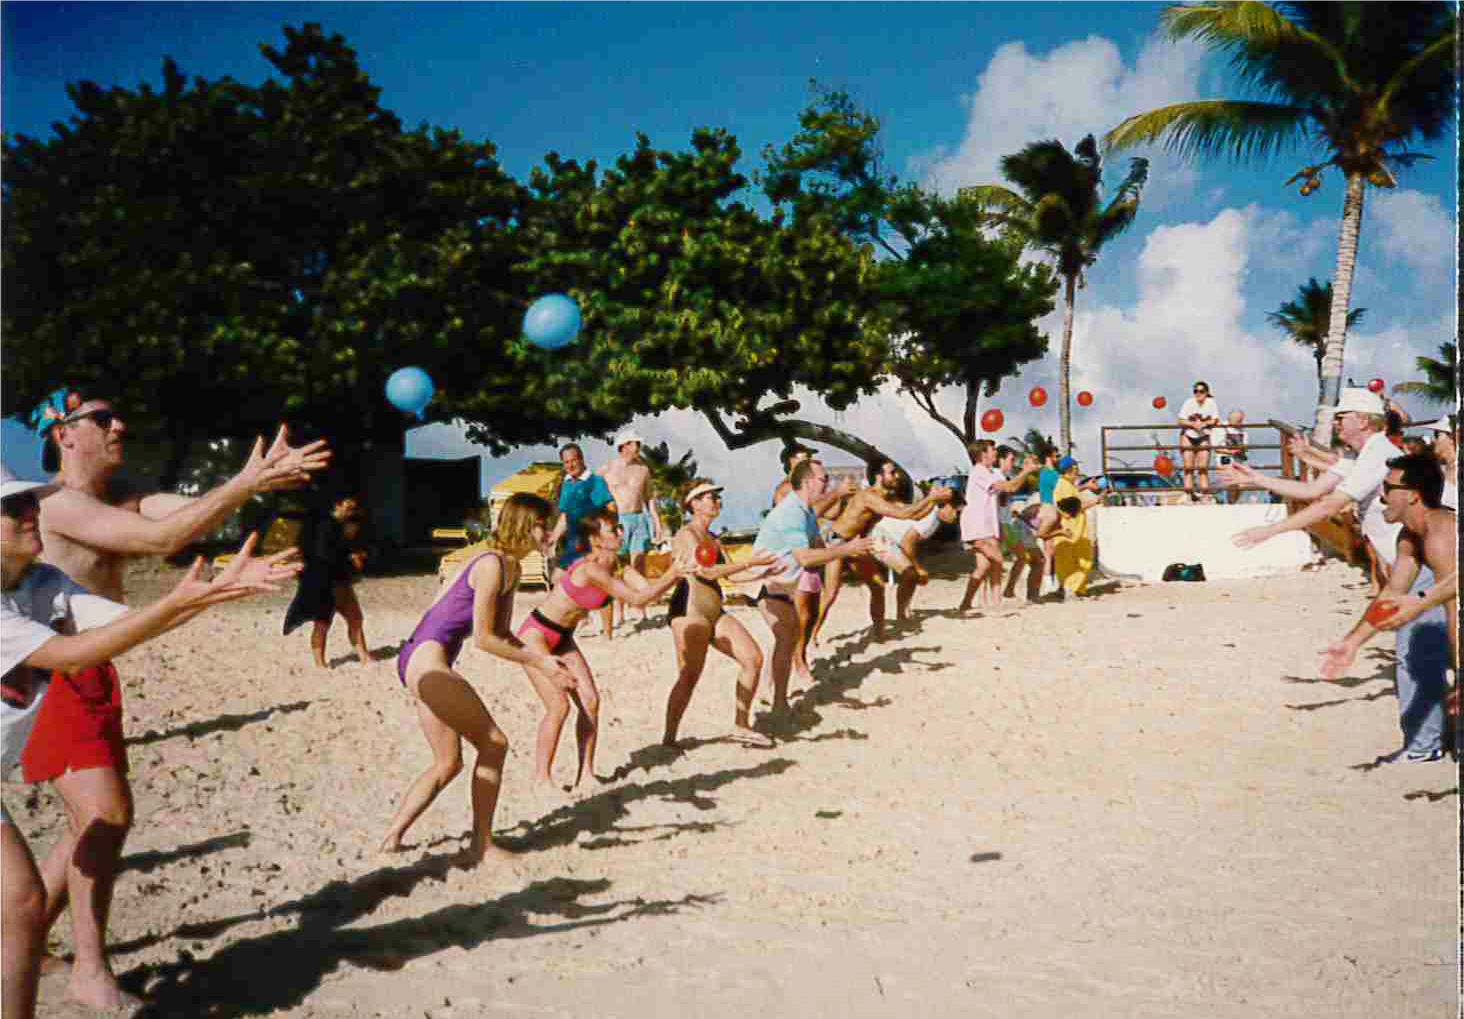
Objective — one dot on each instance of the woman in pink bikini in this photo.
(478, 600)
(586, 586)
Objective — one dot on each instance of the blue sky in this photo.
(1182, 296)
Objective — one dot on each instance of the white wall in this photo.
(1143, 540)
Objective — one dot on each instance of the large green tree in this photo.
(1306, 319)
(1059, 209)
(692, 300)
(222, 256)
(959, 306)
(1355, 82)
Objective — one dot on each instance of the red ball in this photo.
(1379, 612)
(1163, 466)
(992, 420)
(1377, 385)
(1085, 398)
(706, 554)
(1159, 402)
(1038, 396)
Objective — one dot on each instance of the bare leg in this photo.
(781, 619)
(447, 761)
(1202, 468)
(82, 869)
(833, 579)
(319, 630)
(905, 592)
(350, 609)
(586, 697)
(1019, 562)
(877, 607)
(733, 640)
(607, 617)
(807, 605)
(692, 637)
(556, 710)
(1034, 574)
(979, 565)
(1187, 456)
(22, 924)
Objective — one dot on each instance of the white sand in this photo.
(1145, 804)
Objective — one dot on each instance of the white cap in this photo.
(11, 485)
(1441, 425)
(629, 435)
(698, 492)
(1360, 401)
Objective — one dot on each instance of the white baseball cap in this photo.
(1360, 401)
(629, 435)
(1441, 425)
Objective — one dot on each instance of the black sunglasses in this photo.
(103, 418)
(1388, 487)
(19, 505)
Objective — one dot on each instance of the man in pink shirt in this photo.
(980, 527)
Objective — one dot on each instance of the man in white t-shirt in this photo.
(1447, 450)
(1361, 419)
(1199, 415)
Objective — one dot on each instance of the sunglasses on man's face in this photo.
(17, 506)
(1389, 488)
(103, 418)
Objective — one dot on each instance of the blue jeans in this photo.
(1423, 655)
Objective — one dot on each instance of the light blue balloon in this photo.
(409, 389)
(552, 322)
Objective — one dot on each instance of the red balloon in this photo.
(1085, 398)
(1163, 466)
(992, 420)
(1377, 385)
(1038, 396)
(1379, 612)
(1159, 402)
(706, 554)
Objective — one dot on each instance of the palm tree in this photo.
(667, 481)
(1441, 377)
(1305, 321)
(1058, 209)
(1357, 81)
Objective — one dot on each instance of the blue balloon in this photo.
(552, 322)
(409, 389)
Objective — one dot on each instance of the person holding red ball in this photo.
(699, 621)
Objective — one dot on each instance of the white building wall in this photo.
(1141, 541)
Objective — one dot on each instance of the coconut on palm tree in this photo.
(1059, 210)
(1305, 320)
(1440, 383)
(1357, 82)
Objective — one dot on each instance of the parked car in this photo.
(1139, 488)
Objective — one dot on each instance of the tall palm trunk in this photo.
(1341, 297)
(1065, 379)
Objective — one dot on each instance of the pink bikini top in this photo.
(587, 597)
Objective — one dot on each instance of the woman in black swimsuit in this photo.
(699, 621)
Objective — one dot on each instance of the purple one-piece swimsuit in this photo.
(448, 622)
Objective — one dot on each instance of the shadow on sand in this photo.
(279, 970)
(223, 723)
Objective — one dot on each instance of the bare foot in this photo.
(474, 856)
(390, 844)
(99, 990)
(51, 963)
(747, 736)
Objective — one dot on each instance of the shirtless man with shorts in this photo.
(629, 481)
(90, 528)
(863, 510)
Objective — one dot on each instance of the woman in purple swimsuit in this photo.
(587, 585)
(478, 600)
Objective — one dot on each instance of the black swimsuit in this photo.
(681, 594)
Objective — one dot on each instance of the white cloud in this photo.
(1410, 227)
(1079, 88)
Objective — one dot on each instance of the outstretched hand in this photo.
(1336, 659)
(1251, 537)
(1233, 475)
(283, 466)
(1391, 610)
(245, 575)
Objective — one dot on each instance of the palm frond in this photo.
(1212, 127)
(993, 196)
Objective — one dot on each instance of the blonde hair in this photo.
(521, 512)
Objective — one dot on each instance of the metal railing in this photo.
(1267, 456)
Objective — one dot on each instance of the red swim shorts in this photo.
(79, 726)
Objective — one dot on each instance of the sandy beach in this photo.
(1140, 804)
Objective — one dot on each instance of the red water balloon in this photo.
(1380, 611)
(1159, 402)
(1377, 385)
(706, 554)
(992, 420)
(1085, 398)
(1038, 396)
(1163, 466)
